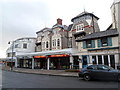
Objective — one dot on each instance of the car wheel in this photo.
(87, 77)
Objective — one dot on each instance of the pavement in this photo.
(42, 72)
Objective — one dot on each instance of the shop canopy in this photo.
(69, 51)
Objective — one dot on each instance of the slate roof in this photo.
(111, 32)
(44, 29)
(83, 14)
(70, 27)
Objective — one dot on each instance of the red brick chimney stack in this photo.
(59, 21)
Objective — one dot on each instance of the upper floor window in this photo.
(47, 44)
(16, 46)
(25, 45)
(89, 44)
(80, 27)
(53, 42)
(58, 42)
(106, 41)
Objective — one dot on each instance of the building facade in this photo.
(21, 45)
(54, 38)
(83, 24)
(99, 48)
(115, 10)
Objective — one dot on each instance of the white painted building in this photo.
(21, 45)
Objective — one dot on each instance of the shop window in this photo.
(112, 61)
(25, 45)
(99, 59)
(94, 61)
(106, 60)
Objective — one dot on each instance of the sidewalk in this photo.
(43, 72)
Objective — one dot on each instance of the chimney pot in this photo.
(59, 21)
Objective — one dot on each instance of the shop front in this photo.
(50, 60)
(59, 62)
(40, 62)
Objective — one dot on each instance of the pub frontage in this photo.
(49, 60)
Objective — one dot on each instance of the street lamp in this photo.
(11, 64)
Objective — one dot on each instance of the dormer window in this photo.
(79, 27)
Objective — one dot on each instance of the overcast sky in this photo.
(23, 18)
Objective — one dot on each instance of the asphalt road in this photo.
(21, 80)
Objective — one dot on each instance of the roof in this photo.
(83, 14)
(111, 32)
(43, 30)
(70, 27)
(25, 38)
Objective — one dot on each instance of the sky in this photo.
(23, 18)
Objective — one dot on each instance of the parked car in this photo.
(99, 72)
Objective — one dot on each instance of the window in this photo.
(47, 44)
(80, 27)
(94, 61)
(58, 42)
(53, 42)
(16, 46)
(99, 59)
(104, 42)
(103, 67)
(88, 44)
(24, 45)
(92, 67)
(106, 60)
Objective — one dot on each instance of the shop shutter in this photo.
(99, 43)
(109, 41)
(93, 43)
(84, 44)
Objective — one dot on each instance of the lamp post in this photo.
(11, 64)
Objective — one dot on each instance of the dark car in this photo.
(99, 72)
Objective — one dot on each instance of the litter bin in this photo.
(118, 67)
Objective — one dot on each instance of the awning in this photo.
(69, 51)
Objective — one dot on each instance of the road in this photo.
(21, 80)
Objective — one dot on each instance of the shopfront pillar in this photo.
(71, 62)
(16, 63)
(48, 63)
(33, 63)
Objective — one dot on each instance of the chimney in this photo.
(59, 21)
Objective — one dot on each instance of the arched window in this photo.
(58, 42)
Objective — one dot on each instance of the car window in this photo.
(102, 67)
(92, 67)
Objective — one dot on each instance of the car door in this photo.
(103, 72)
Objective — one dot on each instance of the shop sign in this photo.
(60, 55)
(39, 56)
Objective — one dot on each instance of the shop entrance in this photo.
(84, 61)
(59, 63)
